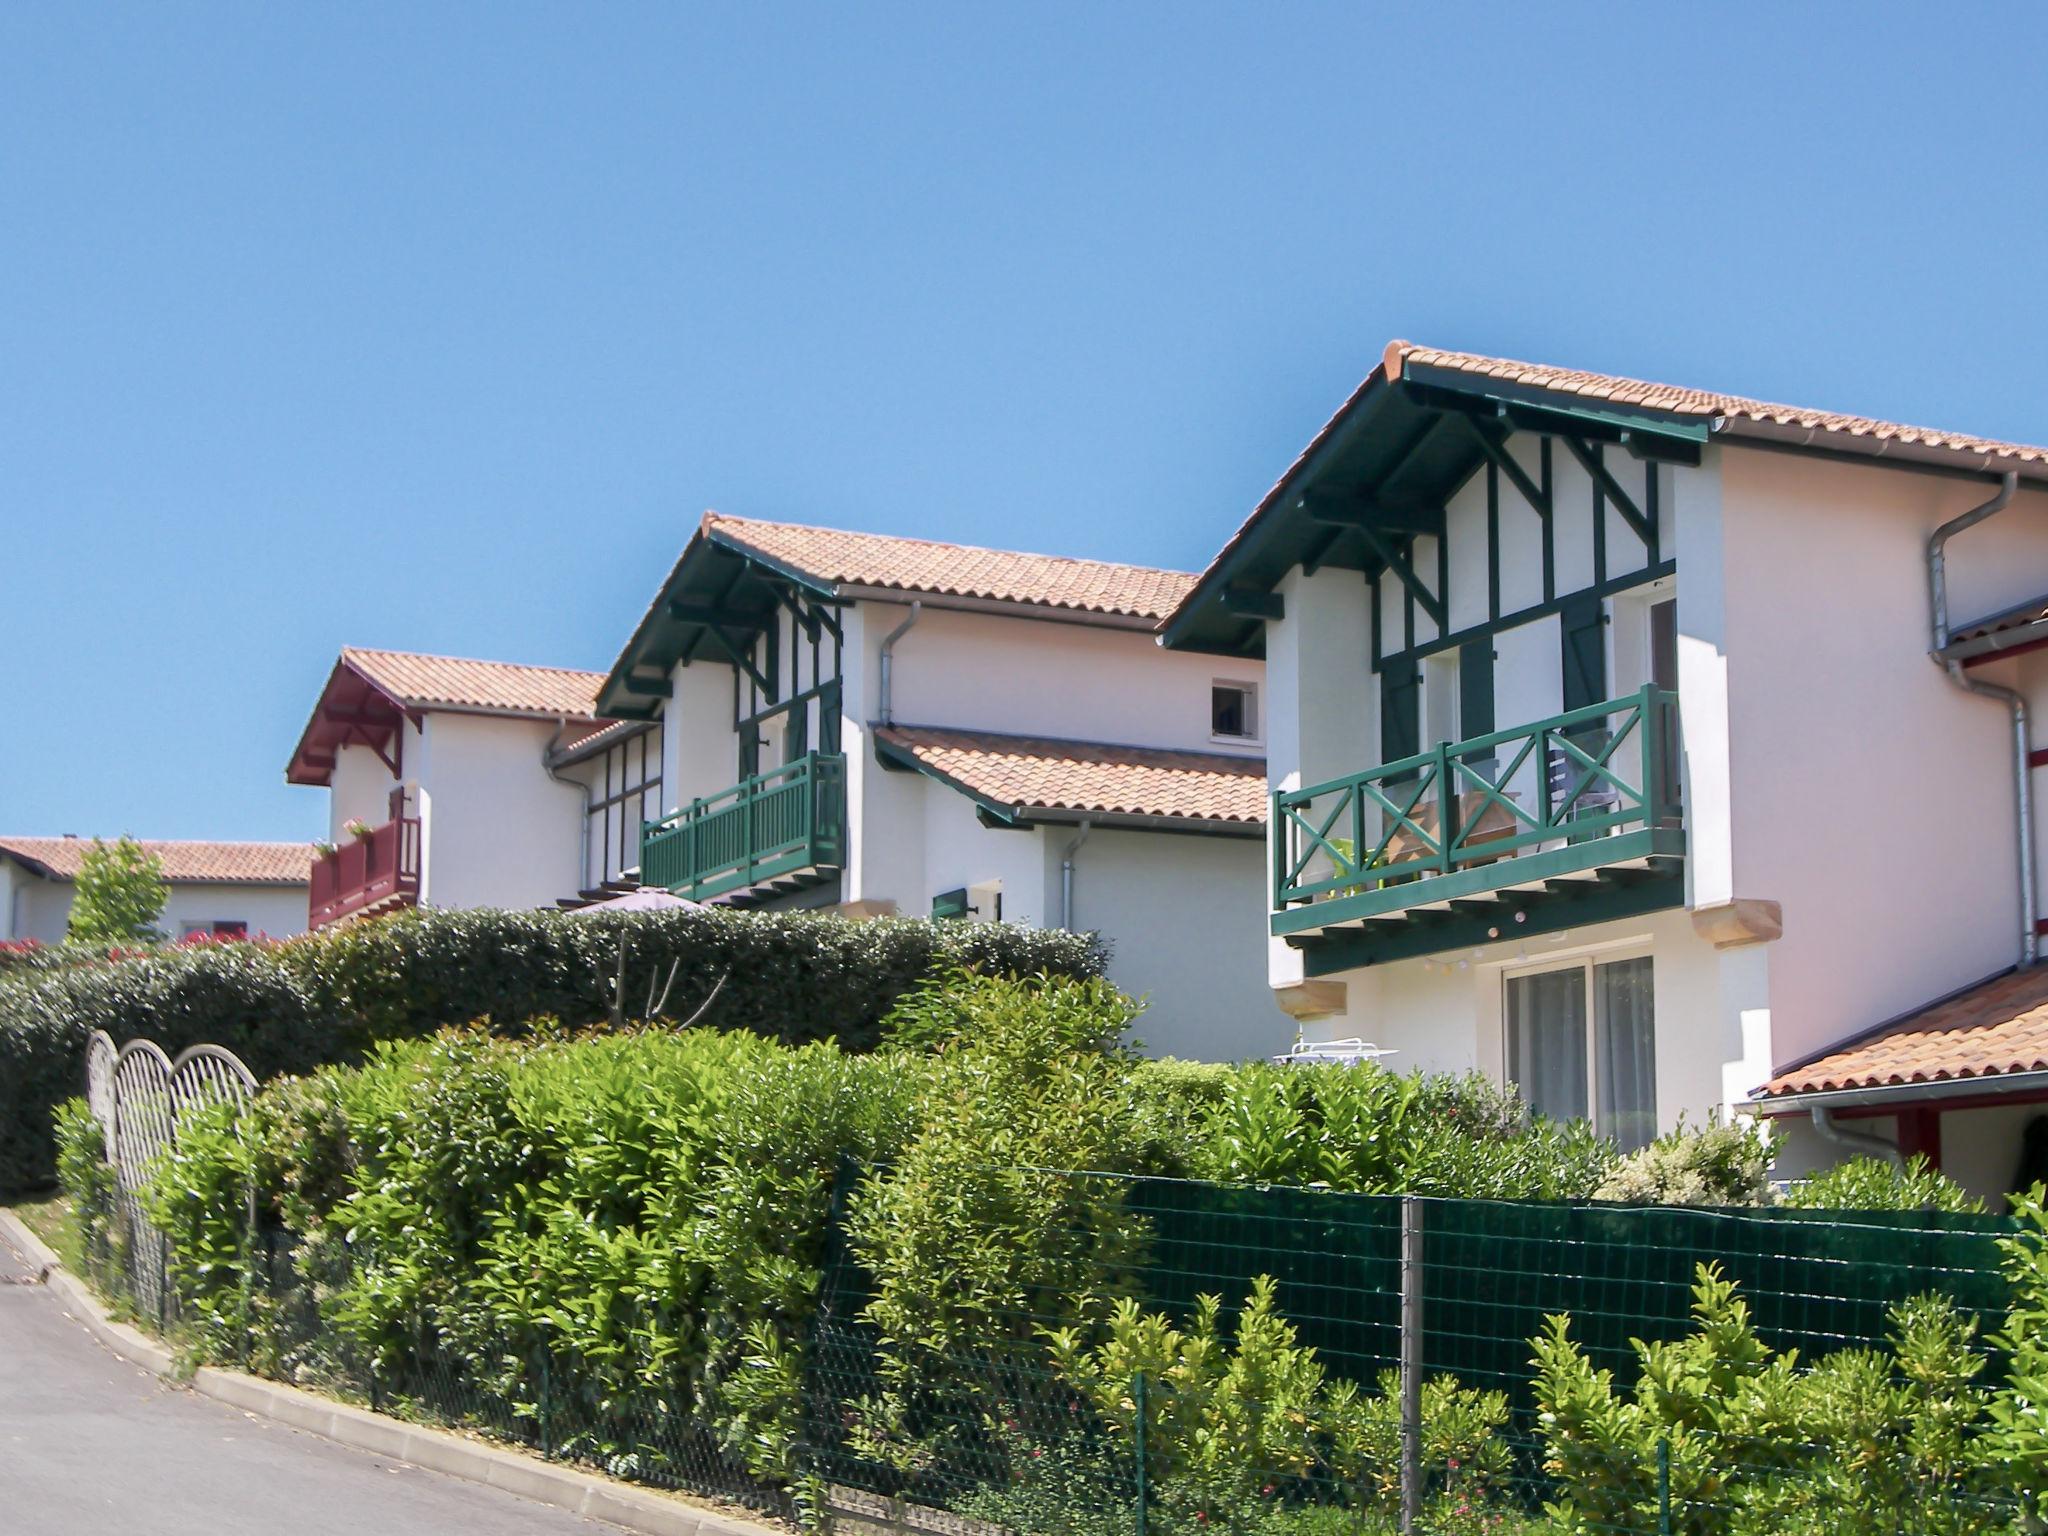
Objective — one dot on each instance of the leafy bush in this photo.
(1860, 1443)
(969, 1236)
(328, 996)
(1879, 1184)
(1720, 1165)
(88, 1179)
(1371, 1131)
(2018, 1440)
(1238, 1427)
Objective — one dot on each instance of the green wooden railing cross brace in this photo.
(1468, 804)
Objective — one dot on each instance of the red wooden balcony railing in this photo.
(380, 869)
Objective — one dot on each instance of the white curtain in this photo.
(1546, 1019)
(1625, 1045)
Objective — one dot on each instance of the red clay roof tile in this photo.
(193, 863)
(1042, 774)
(836, 558)
(1997, 1027)
(452, 682)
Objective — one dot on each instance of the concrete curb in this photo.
(580, 1493)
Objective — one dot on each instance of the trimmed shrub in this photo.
(235, 995)
(327, 997)
(1879, 1184)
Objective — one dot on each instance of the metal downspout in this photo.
(1067, 876)
(889, 661)
(2023, 788)
(547, 762)
(1855, 1141)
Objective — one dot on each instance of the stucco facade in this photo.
(1848, 812)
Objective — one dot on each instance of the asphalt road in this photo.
(93, 1446)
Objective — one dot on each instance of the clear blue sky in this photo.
(435, 327)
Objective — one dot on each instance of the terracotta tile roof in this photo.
(500, 687)
(1996, 1027)
(58, 858)
(1041, 774)
(834, 558)
(1642, 395)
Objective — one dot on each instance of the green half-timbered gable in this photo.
(1513, 555)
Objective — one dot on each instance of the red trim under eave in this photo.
(1905, 1107)
(2005, 651)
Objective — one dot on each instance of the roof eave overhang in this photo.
(1047, 612)
(1133, 821)
(1927, 458)
(303, 768)
(1012, 814)
(1176, 632)
(33, 866)
(1878, 1095)
(621, 696)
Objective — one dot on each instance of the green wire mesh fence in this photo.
(1278, 1406)
(1298, 1362)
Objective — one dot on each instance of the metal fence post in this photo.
(1138, 1445)
(541, 1405)
(1411, 1363)
(1663, 1488)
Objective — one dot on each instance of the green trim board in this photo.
(1534, 870)
(1348, 949)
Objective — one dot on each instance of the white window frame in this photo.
(1250, 690)
(1582, 962)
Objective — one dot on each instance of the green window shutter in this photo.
(950, 904)
(1400, 708)
(1475, 688)
(1585, 652)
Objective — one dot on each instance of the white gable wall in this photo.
(1869, 795)
(976, 671)
(497, 831)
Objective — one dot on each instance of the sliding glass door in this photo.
(1581, 1044)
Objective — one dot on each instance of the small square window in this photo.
(1233, 712)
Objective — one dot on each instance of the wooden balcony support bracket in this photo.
(1619, 499)
(1494, 447)
(1738, 921)
(1251, 603)
(1307, 1001)
(742, 657)
(1396, 557)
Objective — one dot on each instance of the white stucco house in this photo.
(459, 783)
(1617, 748)
(225, 890)
(879, 725)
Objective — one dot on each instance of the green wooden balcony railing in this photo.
(1582, 790)
(777, 823)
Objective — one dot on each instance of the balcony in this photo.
(771, 834)
(380, 869)
(1568, 821)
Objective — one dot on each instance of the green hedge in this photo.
(327, 997)
(652, 1212)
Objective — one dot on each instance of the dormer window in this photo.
(1234, 711)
